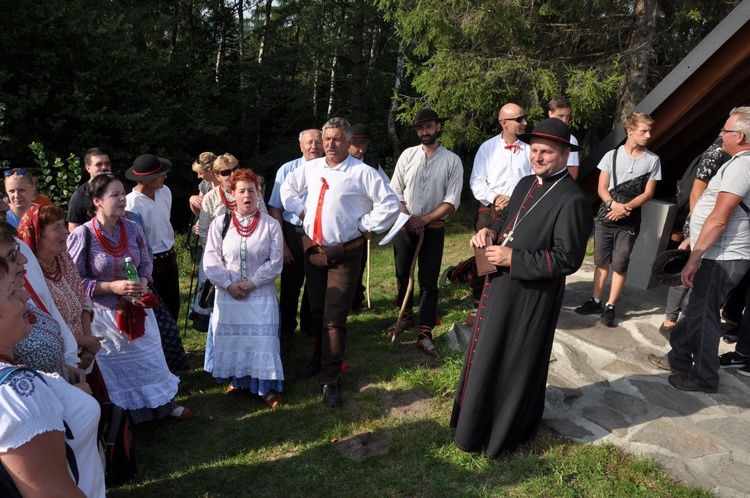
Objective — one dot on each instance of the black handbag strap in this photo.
(614, 167)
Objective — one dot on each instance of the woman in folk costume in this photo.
(243, 257)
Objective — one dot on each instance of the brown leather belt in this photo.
(436, 224)
(348, 246)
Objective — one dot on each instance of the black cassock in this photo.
(500, 395)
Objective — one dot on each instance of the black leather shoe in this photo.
(309, 371)
(684, 384)
(332, 395)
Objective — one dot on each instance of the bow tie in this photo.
(513, 148)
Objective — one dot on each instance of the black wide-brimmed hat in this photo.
(360, 134)
(147, 167)
(551, 129)
(668, 266)
(427, 115)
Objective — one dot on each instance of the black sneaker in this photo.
(744, 371)
(608, 316)
(589, 307)
(331, 395)
(733, 359)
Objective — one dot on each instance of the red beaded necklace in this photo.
(117, 250)
(55, 273)
(230, 205)
(245, 231)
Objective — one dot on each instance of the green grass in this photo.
(235, 446)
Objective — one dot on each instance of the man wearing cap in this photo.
(719, 258)
(627, 180)
(358, 149)
(151, 199)
(345, 201)
(428, 179)
(535, 243)
(95, 161)
(293, 273)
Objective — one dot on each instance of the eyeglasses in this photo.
(519, 119)
(227, 172)
(723, 131)
(14, 253)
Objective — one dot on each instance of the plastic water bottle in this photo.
(130, 272)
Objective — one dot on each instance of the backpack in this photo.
(117, 441)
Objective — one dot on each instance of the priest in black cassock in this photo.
(541, 239)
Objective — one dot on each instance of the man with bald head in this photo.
(499, 165)
(293, 273)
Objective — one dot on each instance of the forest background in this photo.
(179, 77)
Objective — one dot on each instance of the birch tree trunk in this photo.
(358, 27)
(392, 135)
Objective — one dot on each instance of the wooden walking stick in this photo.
(367, 286)
(409, 288)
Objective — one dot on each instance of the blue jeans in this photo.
(695, 339)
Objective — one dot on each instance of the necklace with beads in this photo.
(54, 273)
(230, 205)
(117, 250)
(245, 231)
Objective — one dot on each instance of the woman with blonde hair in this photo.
(19, 186)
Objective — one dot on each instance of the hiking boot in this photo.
(332, 395)
(684, 384)
(660, 362)
(608, 316)
(733, 359)
(589, 307)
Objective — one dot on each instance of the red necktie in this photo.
(513, 148)
(318, 225)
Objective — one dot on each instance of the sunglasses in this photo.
(17, 171)
(14, 253)
(227, 172)
(519, 119)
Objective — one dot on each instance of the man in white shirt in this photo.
(499, 164)
(346, 200)
(153, 201)
(560, 108)
(293, 273)
(427, 180)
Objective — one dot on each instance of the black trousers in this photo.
(292, 280)
(429, 260)
(166, 276)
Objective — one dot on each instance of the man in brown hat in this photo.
(428, 179)
(537, 241)
(151, 199)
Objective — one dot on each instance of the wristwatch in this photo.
(608, 204)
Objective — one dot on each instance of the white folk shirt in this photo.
(155, 214)
(498, 170)
(357, 199)
(423, 184)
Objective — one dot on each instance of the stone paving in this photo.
(601, 387)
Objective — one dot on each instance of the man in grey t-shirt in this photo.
(627, 180)
(720, 257)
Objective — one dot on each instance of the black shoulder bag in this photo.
(207, 291)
